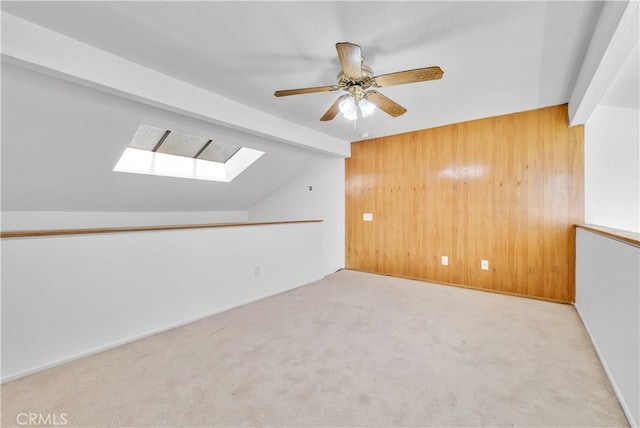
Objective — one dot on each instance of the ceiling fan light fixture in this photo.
(347, 105)
(366, 108)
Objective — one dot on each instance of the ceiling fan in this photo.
(357, 79)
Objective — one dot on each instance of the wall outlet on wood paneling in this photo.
(445, 261)
(484, 264)
(367, 216)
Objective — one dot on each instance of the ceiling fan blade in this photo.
(408, 76)
(287, 92)
(385, 104)
(351, 59)
(332, 112)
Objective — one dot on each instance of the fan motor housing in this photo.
(364, 82)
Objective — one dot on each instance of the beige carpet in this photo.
(354, 349)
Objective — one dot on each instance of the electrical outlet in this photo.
(367, 216)
(484, 264)
(445, 261)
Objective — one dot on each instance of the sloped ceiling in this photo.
(61, 139)
(60, 142)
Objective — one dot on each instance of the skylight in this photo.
(156, 151)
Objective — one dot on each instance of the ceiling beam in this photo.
(614, 37)
(31, 46)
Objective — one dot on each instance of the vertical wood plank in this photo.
(428, 146)
(514, 177)
(532, 123)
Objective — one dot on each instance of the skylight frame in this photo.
(138, 158)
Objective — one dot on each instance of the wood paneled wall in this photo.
(507, 189)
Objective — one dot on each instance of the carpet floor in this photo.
(353, 349)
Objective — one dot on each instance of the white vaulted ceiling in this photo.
(497, 57)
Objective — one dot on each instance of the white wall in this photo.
(69, 296)
(611, 168)
(37, 220)
(326, 202)
(608, 301)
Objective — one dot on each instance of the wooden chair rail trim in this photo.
(59, 232)
(632, 238)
